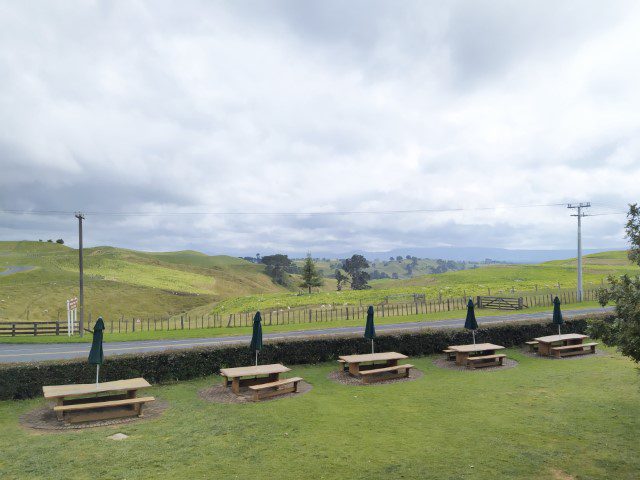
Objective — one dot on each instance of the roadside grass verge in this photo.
(543, 419)
(233, 331)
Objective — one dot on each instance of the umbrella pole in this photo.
(473, 332)
(558, 329)
(372, 346)
(256, 358)
(97, 374)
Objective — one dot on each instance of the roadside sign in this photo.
(72, 309)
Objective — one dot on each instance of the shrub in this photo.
(25, 380)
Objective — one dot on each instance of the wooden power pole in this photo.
(80, 217)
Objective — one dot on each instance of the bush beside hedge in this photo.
(25, 380)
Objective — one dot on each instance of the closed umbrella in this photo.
(471, 323)
(557, 314)
(370, 329)
(256, 337)
(96, 355)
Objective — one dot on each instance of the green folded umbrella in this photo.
(256, 336)
(470, 322)
(557, 314)
(96, 355)
(370, 329)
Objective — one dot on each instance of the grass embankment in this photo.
(484, 315)
(119, 281)
(550, 419)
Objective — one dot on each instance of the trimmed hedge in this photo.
(25, 380)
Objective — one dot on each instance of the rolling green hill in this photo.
(489, 279)
(131, 283)
(119, 281)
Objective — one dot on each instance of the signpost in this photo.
(72, 309)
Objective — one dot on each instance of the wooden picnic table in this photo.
(463, 352)
(88, 401)
(254, 375)
(545, 344)
(355, 362)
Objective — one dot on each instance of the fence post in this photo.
(35, 329)
(310, 316)
(519, 303)
(448, 305)
(57, 328)
(347, 312)
(133, 324)
(182, 322)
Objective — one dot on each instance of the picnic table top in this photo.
(478, 347)
(254, 370)
(560, 338)
(372, 357)
(57, 391)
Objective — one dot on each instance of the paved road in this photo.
(29, 352)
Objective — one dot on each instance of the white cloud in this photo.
(322, 106)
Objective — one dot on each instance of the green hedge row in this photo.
(25, 380)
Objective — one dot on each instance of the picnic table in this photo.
(370, 360)
(254, 375)
(487, 351)
(88, 401)
(564, 344)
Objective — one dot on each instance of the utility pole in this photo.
(80, 217)
(579, 207)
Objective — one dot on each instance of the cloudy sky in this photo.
(179, 108)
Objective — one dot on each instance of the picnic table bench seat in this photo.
(486, 360)
(136, 403)
(577, 349)
(265, 390)
(451, 354)
(373, 375)
(533, 345)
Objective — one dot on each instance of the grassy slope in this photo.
(543, 419)
(498, 278)
(119, 281)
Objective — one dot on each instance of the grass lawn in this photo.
(544, 419)
(224, 331)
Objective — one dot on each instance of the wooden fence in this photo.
(288, 316)
(281, 316)
(34, 328)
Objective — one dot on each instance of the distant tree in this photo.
(341, 278)
(391, 258)
(257, 258)
(399, 258)
(277, 267)
(355, 267)
(624, 331)
(408, 257)
(49, 241)
(409, 268)
(414, 261)
(394, 275)
(60, 241)
(310, 276)
(40, 240)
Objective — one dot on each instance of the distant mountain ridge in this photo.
(473, 254)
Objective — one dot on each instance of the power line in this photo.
(312, 213)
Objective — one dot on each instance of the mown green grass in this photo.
(485, 316)
(544, 419)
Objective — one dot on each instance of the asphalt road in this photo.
(33, 352)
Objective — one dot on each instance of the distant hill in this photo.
(475, 254)
(119, 281)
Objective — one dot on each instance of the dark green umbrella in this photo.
(557, 314)
(256, 337)
(471, 323)
(96, 355)
(370, 329)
